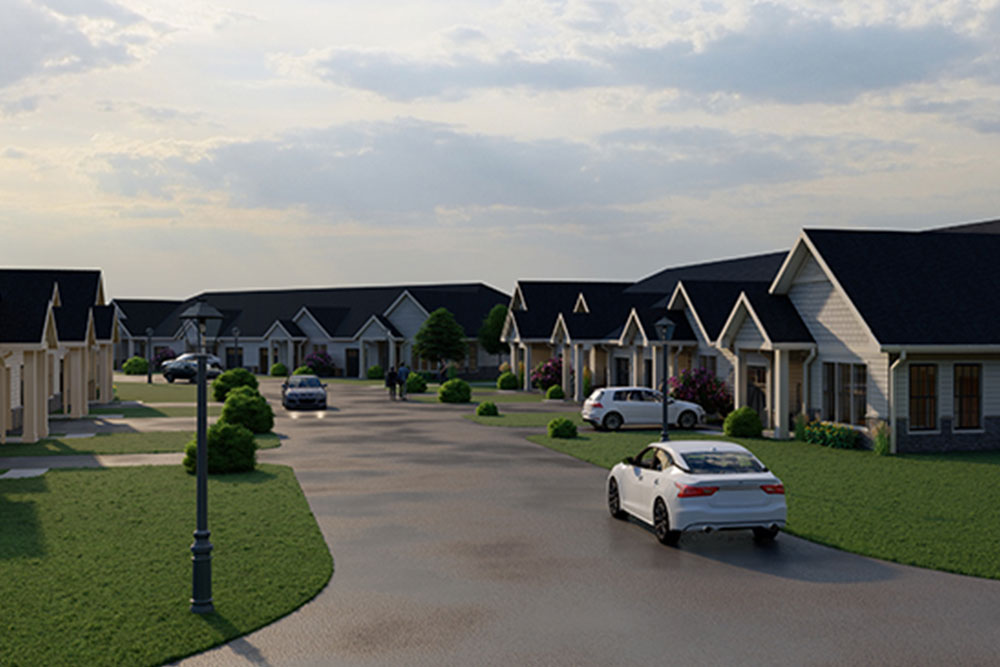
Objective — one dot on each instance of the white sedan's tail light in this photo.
(773, 488)
(688, 491)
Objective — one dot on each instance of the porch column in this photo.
(131, 349)
(392, 352)
(363, 360)
(609, 365)
(4, 402)
(290, 351)
(739, 381)
(578, 373)
(91, 374)
(657, 354)
(564, 380)
(672, 353)
(35, 402)
(267, 360)
(527, 368)
(782, 362)
(513, 358)
(76, 385)
(636, 364)
(106, 379)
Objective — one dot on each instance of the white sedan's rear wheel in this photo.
(661, 525)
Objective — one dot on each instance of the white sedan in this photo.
(697, 485)
(612, 407)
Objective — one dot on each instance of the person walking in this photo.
(403, 373)
(390, 382)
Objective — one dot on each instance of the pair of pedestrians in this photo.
(394, 378)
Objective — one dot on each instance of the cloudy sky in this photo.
(189, 145)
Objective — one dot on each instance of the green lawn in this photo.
(178, 392)
(480, 394)
(143, 411)
(95, 565)
(936, 511)
(117, 443)
(527, 419)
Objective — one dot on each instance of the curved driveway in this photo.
(457, 544)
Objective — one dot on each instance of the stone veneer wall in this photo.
(947, 440)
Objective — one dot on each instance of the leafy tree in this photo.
(441, 337)
(489, 332)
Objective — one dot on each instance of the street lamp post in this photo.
(149, 355)
(665, 330)
(236, 347)
(201, 590)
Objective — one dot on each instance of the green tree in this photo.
(489, 332)
(440, 338)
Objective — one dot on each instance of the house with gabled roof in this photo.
(357, 326)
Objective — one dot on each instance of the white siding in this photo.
(748, 336)
(408, 318)
(311, 330)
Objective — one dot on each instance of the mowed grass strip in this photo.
(150, 411)
(526, 419)
(178, 392)
(935, 511)
(153, 442)
(95, 565)
(480, 394)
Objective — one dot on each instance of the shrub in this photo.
(135, 366)
(828, 434)
(703, 387)
(547, 373)
(504, 367)
(320, 363)
(416, 383)
(231, 448)
(237, 377)
(801, 421)
(376, 373)
(555, 392)
(303, 370)
(588, 381)
(487, 409)
(560, 427)
(881, 439)
(507, 381)
(246, 407)
(743, 423)
(279, 370)
(455, 391)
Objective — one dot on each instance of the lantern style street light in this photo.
(201, 590)
(149, 355)
(237, 357)
(665, 330)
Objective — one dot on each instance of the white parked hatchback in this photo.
(613, 407)
(697, 485)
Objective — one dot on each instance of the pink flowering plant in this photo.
(701, 386)
(547, 373)
(320, 363)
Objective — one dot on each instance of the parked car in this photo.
(613, 407)
(210, 359)
(697, 485)
(303, 391)
(187, 369)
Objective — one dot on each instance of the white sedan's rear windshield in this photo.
(715, 463)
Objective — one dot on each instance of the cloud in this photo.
(410, 172)
(777, 56)
(33, 41)
(21, 105)
(13, 154)
(979, 114)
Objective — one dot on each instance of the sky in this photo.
(187, 146)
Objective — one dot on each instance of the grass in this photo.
(527, 419)
(480, 394)
(145, 411)
(118, 443)
(178, 392)
(937, 511)
(95, 567)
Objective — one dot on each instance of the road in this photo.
(458, 544)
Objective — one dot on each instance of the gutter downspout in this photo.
(807, 381)
(892, 400)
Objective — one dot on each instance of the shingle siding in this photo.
(408, 318)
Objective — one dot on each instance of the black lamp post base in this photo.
(201, 598)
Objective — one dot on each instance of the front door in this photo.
(621, 372)
(757, 391)
(352, 361)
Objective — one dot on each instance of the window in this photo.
(708, 362)
(845, 393)
(923, 397)
(968, 397)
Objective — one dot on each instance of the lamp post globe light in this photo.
(201, 590)
(665, 330)
(149, 355)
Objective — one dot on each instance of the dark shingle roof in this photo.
(753, 267)
(138, 314)
(25, 295)
(919, 288)
(778, 315)
(104, 319)
(713, 300)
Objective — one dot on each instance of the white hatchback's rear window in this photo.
(715, 463)
(596, 395)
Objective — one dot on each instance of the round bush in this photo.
(560, 427)
(507, 381)
(231, 448)
(135, 366)
(455, 390)
(279, 370)
(245, 407)
(487, 409)
(743, 423)
(555, 392)
(303, 370)
(237, 377)
(376, 373)
(416, 383)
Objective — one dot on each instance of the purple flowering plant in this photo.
(547, 373)
(320, 363)
(701, 386)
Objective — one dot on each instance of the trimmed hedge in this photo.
(278, 370)
(743, 423)
(226, 382)
(555, 392)
(507, 381)
(303, 370)
(828, 434)
(376, 372)
(416, 383)
(487, 409)
(560, 427)
(231, 448)
(135, 366)
(455, 390)
(246, 407)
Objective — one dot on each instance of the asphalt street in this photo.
(459, 544)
